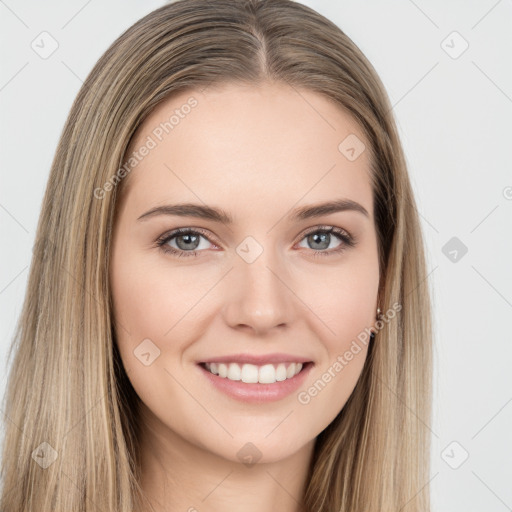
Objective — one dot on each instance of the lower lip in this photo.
(258, 393)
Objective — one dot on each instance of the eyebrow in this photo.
(220, 215)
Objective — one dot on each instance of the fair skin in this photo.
(258, 153)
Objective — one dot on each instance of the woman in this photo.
(282, 363)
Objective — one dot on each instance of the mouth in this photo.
(256, 384)
(257, 374)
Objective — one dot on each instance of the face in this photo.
(263, 281)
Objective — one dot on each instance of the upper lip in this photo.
(257, 359)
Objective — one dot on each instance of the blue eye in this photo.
(321, 235)
(189, 240)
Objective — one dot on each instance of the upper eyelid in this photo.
(326, 227)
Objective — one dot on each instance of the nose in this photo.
(259, 296)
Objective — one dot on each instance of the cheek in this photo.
(137, 303)
(149, 298)
(144, 303)
(347, 314)
(344, 299)
(150, 307)
(154, 300)
(345, 343)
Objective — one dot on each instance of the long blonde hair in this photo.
(71, 438)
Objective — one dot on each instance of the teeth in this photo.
(234, 372)
(251, 374)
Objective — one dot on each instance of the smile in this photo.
(256, 384)
(251, 374)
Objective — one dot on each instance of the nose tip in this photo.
(257, 298)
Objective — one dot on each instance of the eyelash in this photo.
(347, 239)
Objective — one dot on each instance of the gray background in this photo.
(453, 110)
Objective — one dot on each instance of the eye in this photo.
(320, 238)
(187, 240)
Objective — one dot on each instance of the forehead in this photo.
(249, 148)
